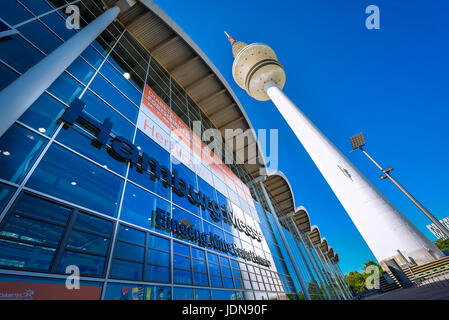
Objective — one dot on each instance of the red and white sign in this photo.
(164, 127)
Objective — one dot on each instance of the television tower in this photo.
(388, 233)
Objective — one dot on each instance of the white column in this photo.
(384, 228)
(18, 96)
(284, 240)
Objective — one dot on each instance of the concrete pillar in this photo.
(18, 96)
(384, 228)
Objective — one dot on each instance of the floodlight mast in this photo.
(386, 174)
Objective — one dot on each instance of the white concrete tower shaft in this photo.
(384, 228)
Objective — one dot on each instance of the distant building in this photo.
(436, 232)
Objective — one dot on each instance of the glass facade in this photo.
(65, 201)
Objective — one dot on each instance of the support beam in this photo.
(24, 91)
(163, 45)
(284, 240)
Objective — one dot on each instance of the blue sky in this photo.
(391, 83)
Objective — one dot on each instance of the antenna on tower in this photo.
(230, 38)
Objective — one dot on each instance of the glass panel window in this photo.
(181, 262)
(21, 255)
(81, 141)
(131, 235)
(7, 77)
(114, 98)
(122, 83)
(158, 293)
(67, 176)
(128, 251)
(92, 56)
(90, 223)
(88, 242)
(36, 7)
(158, 257)
(139, 207)
(56, 23)
(198, 253)
(100, 110)
(202, 294)
(126, 270)
(199, 265)
(227, 282)
(81, 70)
(158, 242)
(143, 178)
(182, 276)
(23, 228)
(200, 278)
(44, 114)
(214, 268)
(189, 177)
(18, 53)
(19, 149)
(87, 263)
(122, 291)
(40, 36)
(42, 209)
(12, 12)
(181, 248)
(66, 88)
(216, 281)
(186, 218)
(226, 271)
(6, 193)
(182, 293)
(157, 273)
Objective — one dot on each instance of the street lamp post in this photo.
(358, 142)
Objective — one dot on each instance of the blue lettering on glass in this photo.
(124, 150)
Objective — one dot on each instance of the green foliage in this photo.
(442, 244)
(372, 263)
(357, 279)
(301, 296)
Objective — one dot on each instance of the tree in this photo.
(357, 280)
(442, 244)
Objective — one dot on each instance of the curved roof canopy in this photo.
(315, 236)
(330, 252)
(336, 258)
(278, 186)
(324, 246)
(193, 70)
(302, 220)
(280, 190)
